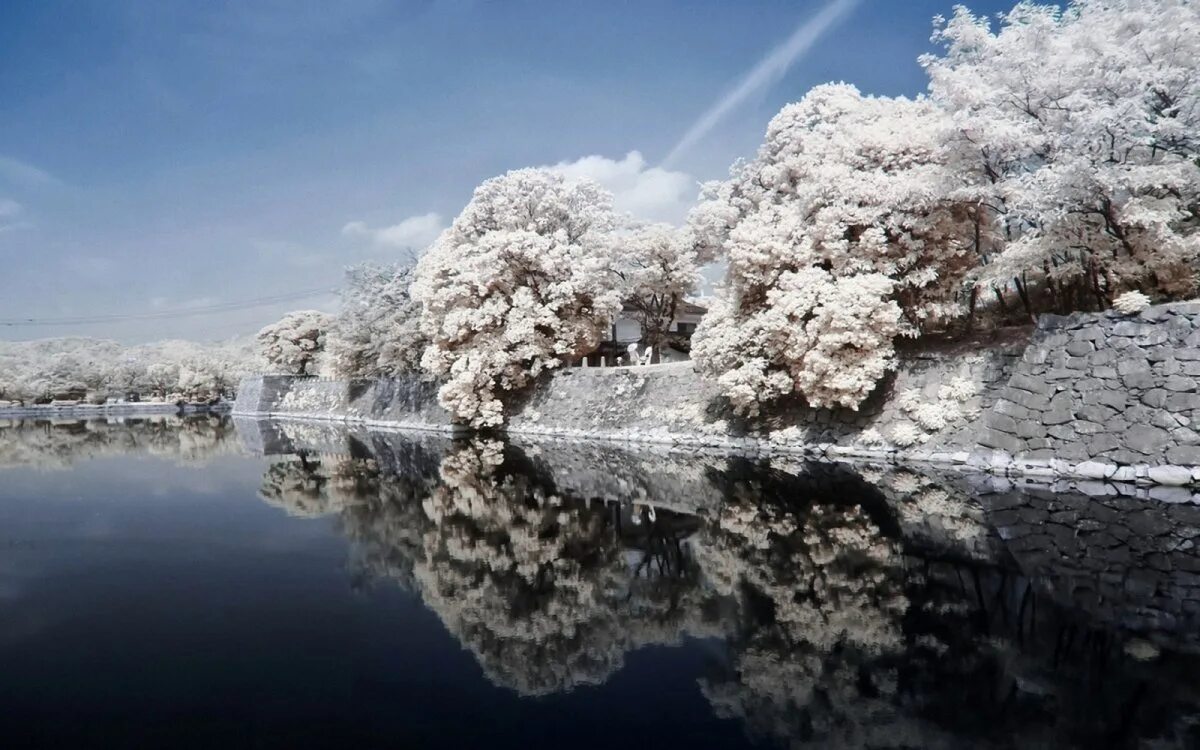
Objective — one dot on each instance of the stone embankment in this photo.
(1088, 397)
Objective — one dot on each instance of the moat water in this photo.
(194, 582)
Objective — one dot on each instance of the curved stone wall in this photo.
(408, 403)
(1105, 397)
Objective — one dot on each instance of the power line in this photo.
(167, 314)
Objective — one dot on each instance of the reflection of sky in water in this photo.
(419, 593)
(136, 606)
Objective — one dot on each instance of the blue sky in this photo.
(161, 156)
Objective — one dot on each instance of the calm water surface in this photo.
(196, 583)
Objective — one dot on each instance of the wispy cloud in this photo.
(414, 233)
(12, 215)
(24, 174)
(769, 70)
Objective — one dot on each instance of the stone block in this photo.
(1130, 366)
(1175, 476)
(1155, 397)
(1057, 416)
(1001, 422)
(1124, 474)
(1112, 398)
(1182, 402)
(1184, 455)
(1030, 429)
(1156, 337)
(1102, 443)
(991, 438)
(1087, 427)
(1072, 451)
(1080, 348)
(1014, 410)
(1180, 384)
(1087, 385)
(1146, 438)
(1062, 432)
(1182, 309)
(1094, 470)
(1032, 385)
(1139, 380)
(1130, 328)
(1099, 414)
(1032, 401)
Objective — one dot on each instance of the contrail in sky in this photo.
(768, 70)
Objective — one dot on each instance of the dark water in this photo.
(168, 583)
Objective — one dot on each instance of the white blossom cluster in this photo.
(1056, 158)
(928, 416)
(294, 344)
(840, 236)
(377, 331)
(1085, 123)
(656, 266)
(519, 284)
(1131, 302)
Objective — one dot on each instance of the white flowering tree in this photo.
(377, 332)
(516, 286)
(1086, 123)
(656, 266)
(293, 344)
(846, 231)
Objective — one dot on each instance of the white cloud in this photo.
(651, 193)
(414, 233)
(11, 214)
(25, 174)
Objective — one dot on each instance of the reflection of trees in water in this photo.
(821, 602)
(548, 591)
(50, 444)
(853, 614)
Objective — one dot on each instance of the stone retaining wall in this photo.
(408, 403)
(1091, 396)
(1112, 395)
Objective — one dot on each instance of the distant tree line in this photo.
(96, 370)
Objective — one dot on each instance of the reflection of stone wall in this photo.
(1127, 563)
